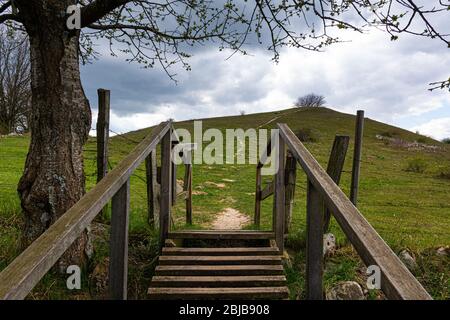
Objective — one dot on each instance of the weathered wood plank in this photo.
(397, 282)
(279, 198)
(218, 281)
(152, 187)
(289, 181)
(174, 183)
(257, 217)
(188, 189)
(314, 244)
(102, 131)
(219, 293)
(268, 190)
(334, 169)
(20, 276)
(249, 251)
(166, 188)
(229, 270)
(221, 234)
(359, 131)
(219, 260)
(118, 261)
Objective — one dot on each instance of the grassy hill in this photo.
(409, 209)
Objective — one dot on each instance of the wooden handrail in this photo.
(397, 282)
(21, 275)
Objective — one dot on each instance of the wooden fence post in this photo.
(357, 157)
(334, 169)
(102, 131)
(257, 217)
(174, 177)
(314, 244)
(188, 189)
(279, 197)
(118, 263)
(290, 179)
(152, 195)
(166, 187)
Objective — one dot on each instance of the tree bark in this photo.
(53, 179)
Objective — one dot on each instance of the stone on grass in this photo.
(329, 244)
(408, 259)
(346, 290)
(443, 251)
(170, 243)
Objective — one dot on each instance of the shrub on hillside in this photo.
(390, 134)
(446, 140)
(311, 100)
(307, 135)
(417, 165)
(422, 140)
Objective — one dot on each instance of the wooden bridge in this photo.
(248, 266)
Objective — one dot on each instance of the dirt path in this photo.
(278, 117)
(230, 219)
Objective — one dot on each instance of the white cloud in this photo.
(389, 80)
(133, 122)
(436, 128)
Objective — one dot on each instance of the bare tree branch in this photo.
(5, 6)
(98, 9)
(9, 16)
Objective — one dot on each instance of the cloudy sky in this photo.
(387, 79)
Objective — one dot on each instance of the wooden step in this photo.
(218, 293)
(219, 260)
(219, 270)
(218, 281)
(222, 234)
(248, 251)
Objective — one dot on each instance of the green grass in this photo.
(408, 209)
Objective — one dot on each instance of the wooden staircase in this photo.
(219, 273)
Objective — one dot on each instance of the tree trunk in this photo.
(53, 179)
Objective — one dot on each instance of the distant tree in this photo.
(446, 140)
(15, 89)
(311, 100)
(242, 112)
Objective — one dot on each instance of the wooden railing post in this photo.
(257, 217)
(174, 183)
(166, 187)
(279, 199)
(102, 131)
(290, 179)
(357, 157)
(152, 198)
(334, 169)
(118, 263)
(188, 189)
(314, 244)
